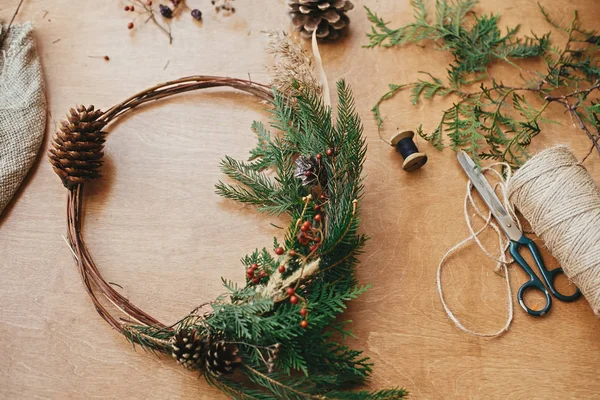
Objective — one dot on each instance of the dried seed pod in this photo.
(77, 146)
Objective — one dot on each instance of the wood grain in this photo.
(157, 229)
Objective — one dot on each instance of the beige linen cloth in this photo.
(22, 108)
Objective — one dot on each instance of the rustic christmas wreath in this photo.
(278, 335)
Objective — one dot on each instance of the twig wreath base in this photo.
(279, 328)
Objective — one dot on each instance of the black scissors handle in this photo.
(534, 282)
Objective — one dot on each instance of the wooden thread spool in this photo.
(413, 159)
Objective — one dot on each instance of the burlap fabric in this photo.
(22, 108)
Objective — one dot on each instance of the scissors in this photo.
(517, 240)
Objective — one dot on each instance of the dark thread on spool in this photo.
(404, 144)
(406, 147)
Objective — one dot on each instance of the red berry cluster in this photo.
(256, 274)
(311, 233)
(294, 299)
(129, 8)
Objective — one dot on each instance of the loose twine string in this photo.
(561, 202)
(502, 261)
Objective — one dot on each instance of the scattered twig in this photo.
(167, 64)
(56, 41)
(160, 26)
(105, 58)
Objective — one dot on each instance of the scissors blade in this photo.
(489, 197)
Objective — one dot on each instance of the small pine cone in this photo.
(308, 169)
(327, 17)
(77, 147)
(189, 348)
(222, 357)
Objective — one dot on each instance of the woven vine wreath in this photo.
(277, 336)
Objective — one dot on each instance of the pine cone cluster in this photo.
(195, 351)
(77, 147)
(327, 17)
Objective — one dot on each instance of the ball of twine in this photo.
(561, 201)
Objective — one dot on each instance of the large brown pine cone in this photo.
(327, 17)
(77, 147)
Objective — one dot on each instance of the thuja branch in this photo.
(499, 120)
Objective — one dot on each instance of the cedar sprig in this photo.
(499, 120)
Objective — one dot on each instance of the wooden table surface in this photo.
(157, 229)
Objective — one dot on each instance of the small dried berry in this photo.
(303, 312)
(132, 8)
(304, 324)
(318, 217)
(293, 253)
(281, 269)
(294, 300)
(256, 280)
(197, 14)
(302, 238)
(127, 8)
(165, 11)
(279, 251)
(290, 291)
(263, 274)
(106, 58)
(130, 25)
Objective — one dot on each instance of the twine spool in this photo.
(404, 144)
(561, 201)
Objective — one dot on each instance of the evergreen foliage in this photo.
(498, 120)
(312, 362)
